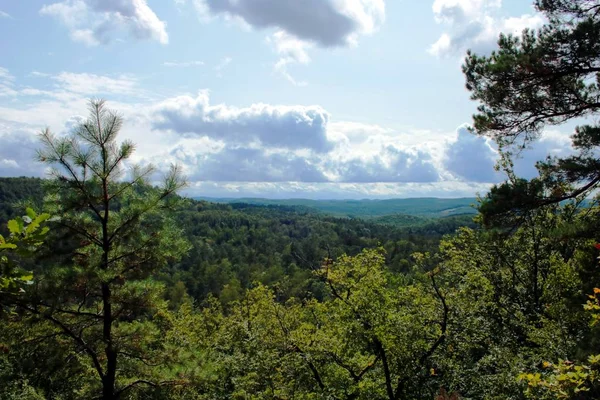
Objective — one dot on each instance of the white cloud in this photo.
(85, 36)
(63, 95)
(471, 158)
(93, 22)
(246, 164)
(5, 75)
(328, 23)
(5, 15)
(476, 25)
(68, 85)
(11, 164)
(17, 153)
(291, 50)
(291, 127)
(183, 64)
(300, 25)
(389, 164)
(552, 143)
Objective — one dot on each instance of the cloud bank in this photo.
(261, 149)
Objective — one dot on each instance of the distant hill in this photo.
(396, 212)
(427, 207)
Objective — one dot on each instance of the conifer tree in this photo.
(532, 81)
(102, 299)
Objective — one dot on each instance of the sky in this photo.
(322, 99)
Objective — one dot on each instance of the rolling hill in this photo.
(427, 207)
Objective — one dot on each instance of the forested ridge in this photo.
(369, 208)
(236, 245)
(114, 286)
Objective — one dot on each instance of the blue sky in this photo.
(269, 98)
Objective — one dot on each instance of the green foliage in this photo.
(26, 234)
(372, 337)
(16, 192)
(280, 248)
(566, 379)
(515, 302)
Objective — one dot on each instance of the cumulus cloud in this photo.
(391, 164)
(300, 25)
(471, 158)
(292, 127)
(93, 22)
(476, 25)
(244, 164)
(327, 23)
(17, 153)
(552, 143)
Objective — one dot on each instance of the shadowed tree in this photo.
(540, 79)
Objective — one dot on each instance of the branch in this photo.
(443, 324)
(138, 215)
(71, 334)
(386, 370)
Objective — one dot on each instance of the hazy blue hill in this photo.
(421, 207)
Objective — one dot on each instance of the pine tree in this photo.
(103, 299)
(542, 78)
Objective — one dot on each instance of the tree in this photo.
(515, 302)
(545, 77)
(376, 335)
(103, 299)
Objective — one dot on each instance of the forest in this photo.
(115, 286)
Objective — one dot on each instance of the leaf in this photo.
(13, 226)
(27, 277)
(30, 213)
(42, 217)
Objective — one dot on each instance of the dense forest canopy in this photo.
(112, 288)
